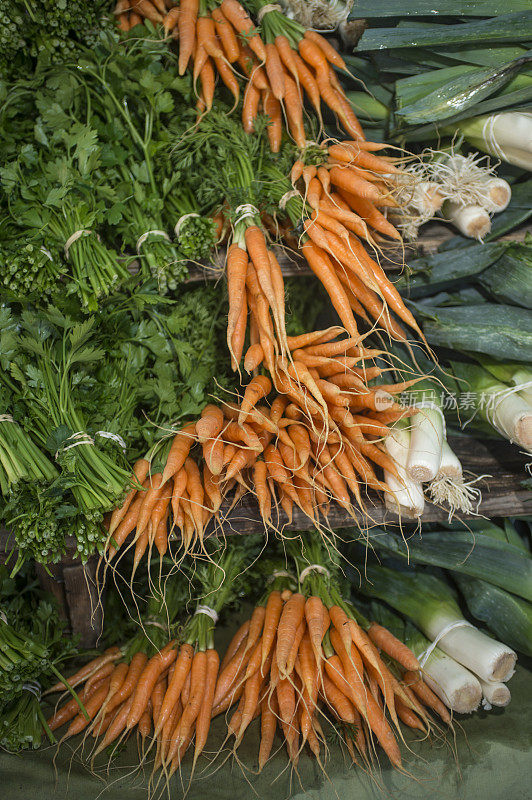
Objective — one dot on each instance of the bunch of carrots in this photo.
(164, 690)
(307, 656)
(319, 441)
(303, 658)
(280, 61)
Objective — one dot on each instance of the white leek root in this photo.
(510, 413)
(489, 659)
(495, 694)
(472, 221)
(449, 487)
(426, 443)
(406, 496)
(458, 688)
(507, 136)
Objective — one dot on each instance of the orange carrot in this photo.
(175, 685)
(393, 647)
(147, 680)
(207, 83)
(183, 441)
(147, 10)
(241, 21)
(203, 719)
(294, 112)
(426, 695)
(227, 35)
(321, 266)
(198, 675)
(268, 725)
(228, 77)
(272, 109)
(275, 72)
(187, 31)
(291, 616)
(332, 55)
(140, 471)
(257, 388)
(235, 643)
(314, 615)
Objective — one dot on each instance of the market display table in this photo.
(493, 762)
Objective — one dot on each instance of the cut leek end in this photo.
(495, 694)
(523, 431)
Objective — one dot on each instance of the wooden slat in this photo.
(502, 495)
(393, 256)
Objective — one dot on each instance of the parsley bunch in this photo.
(32, 648)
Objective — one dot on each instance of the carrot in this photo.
(286, 55)
(337, 700)
(272, 109)
(203, 719)
(147, 10)
(210, 424)
(134, 19)
(147, 680)
(308, 82)
(103, 672)
(268, 726)
(207, 83)
(332, 55)
(206, 35)
(287, 702)
(272, 614)
(160, 5)
(227, 676)
(170, 20)
(235, 643)
(294, 112)
(314, 615)
(258, 253)
(347, 178)
(382, 730)
(254, 357)
(175, 685)
(227, 35)
(183, 441)
(250, 700)
(187, 32)
(347, 116)
(195, 493)
(291, 616)
(116, 727)
(241, 21)
(111, 654)
(92, 706)
(275, 71)
(237, 262)
(426, 695)
(228, 77)
(321, 266)
(140, 471)
(256, 389)
(138, 662)
(213, 455)
(198, 676)
(393, 647)
(70, 709)
(251, 68)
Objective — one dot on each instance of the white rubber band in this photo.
(182, 219)
(434, 407)
(34, 687)
(46, 253)
(142, 238)
(245, 210)
(74, 237)
(3, 618)
(6, 418)
(280, 573)
(115, 437)
(80, 438)
(461, 623)
(261, 13)
(314, 568)
(286, 197)
(210, 612)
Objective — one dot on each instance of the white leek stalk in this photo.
(495, 694)
(450, 488)
(509, 412)
(472, 221)
(426, 443)
(468, 180)
(455, 685)
(406, 496)
(507, 136)
(484, 656)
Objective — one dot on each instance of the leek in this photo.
(510, 278)
(449, 486)
(476, 552)
(495, 694)
(507, 136)
(426, 436)
(406, 495)
(502, 406)
(472, 221)
(507, 616)
(430, 604)
(514, 374)
(455, 685)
